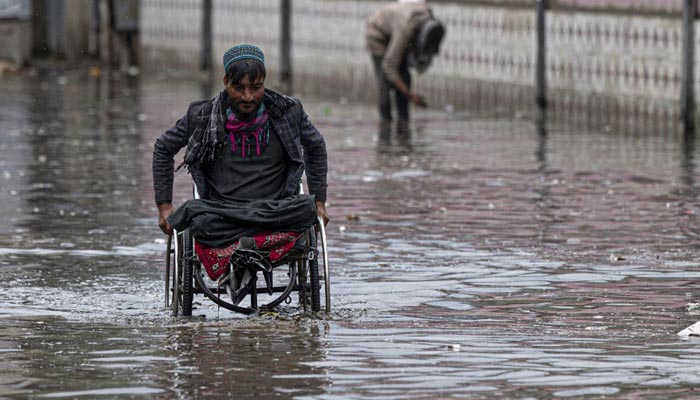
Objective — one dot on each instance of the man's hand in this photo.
(418, 100)
(321, 211)
(164, 211)
(414, 98)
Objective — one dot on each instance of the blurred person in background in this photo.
(400, 36)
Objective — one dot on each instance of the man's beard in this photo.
(243, 115)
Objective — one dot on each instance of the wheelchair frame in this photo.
(185, 276)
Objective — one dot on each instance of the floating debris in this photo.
(692, 330)
(352, 217)
(270, 314)
(8, 68)
(615, 257)
(94, 72)
(596, 328)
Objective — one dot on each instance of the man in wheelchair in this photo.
(247, 149)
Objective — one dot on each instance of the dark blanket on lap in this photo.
(215, 224)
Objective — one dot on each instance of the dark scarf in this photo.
(243, 133)
(206, 142)
(209, 137)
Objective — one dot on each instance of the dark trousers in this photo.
(384, 87)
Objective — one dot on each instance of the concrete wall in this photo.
(61, 28)
(170, 33)
(16, 43)
(15, 31)
(612, 61)
(76, 25)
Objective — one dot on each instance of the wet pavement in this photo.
(487, 257)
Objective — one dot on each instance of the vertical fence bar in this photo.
(541, 59)
(687, 73)
(205, 54)
(105, 31)
(286, 45)
(95, 26)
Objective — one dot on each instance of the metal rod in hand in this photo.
(541, 59)
(286, 45)
(687, 73)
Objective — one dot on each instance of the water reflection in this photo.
(267, 359)
(384, 135)
(262, 360)
(394, 137)
(491, 233)
(687, 176)
(82, 137)
(543, 202)
(15, 155)
(687, 194)
(17, 380)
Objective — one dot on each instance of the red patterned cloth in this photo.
(216, 260)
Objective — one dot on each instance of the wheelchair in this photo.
(186, 277)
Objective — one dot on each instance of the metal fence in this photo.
(659, 7)
(631, 59)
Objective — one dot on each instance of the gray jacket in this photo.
(390, 33)
(303, 143)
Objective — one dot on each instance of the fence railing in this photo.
(590, 54)
(672, 8)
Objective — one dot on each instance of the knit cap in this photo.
(243, 52)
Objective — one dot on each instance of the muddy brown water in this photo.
(488, 257)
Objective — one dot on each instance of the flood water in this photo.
(489, 257)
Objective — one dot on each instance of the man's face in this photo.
(245, 96)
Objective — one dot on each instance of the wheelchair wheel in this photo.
(183, 291)
(310, 294)
(323, 254)
(313, 273)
